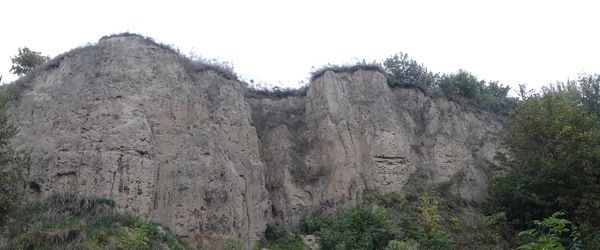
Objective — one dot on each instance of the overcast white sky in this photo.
(533, 42)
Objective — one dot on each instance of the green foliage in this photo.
(495, 229)
(79, 222)
(405, 72)
(233, 244)
(8, 194)
(351, 68)
(360, 226)
(584, 92)
(554, 149)
(138, 239)
(589, 98)
(314, 222)
(461, 86)
(26, 60)
(279, 239)
(402, 245)
(423, 224)
(9, 175)
(388, 200)
(429, 213)
(549, 234)
(380, 218)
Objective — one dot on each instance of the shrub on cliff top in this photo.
(462, 86)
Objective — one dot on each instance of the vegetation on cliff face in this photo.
(404, 72)
(461, 86)
(9, 164)
(69, 221)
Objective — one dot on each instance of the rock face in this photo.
(130, 120)
(352, 132)
(124, 119)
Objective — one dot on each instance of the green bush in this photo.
(8, 194)
(9, 177)
(360, 226)
(26, 60)
(461, 86)
(314, 222)
(550, 233)
(405, 72)
(77, 222)
(402, 245)
(135, 239)
(279, 239)
(553, 149)
(233, 244)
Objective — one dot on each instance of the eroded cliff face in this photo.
(352, 132)
(124, 119)
(130, 120)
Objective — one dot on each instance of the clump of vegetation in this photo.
(402, 245)
(75, 221)
(383, 221)
(26, 60)
(361, 226)
(350, 68)
(553, 145)
(9, 171)
(314, 222)
(551, 233)
(273, 93)
(405, 72)
(233, 244)
(461, 86)
(276, 238)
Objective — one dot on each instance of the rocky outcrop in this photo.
(353, 132)
(125, 119)
(131, 120)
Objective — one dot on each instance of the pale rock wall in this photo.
(353, 132)
(130, 120)
(124, 119)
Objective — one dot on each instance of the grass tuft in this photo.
(363, 65)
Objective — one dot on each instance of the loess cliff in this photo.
(131, 120)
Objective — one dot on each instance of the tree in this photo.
(554, 164)
(550, 234)
(26, 60)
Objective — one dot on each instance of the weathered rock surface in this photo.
(124, 119)
(130, 120)
(352, 132)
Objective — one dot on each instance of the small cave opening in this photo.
(35, 187)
